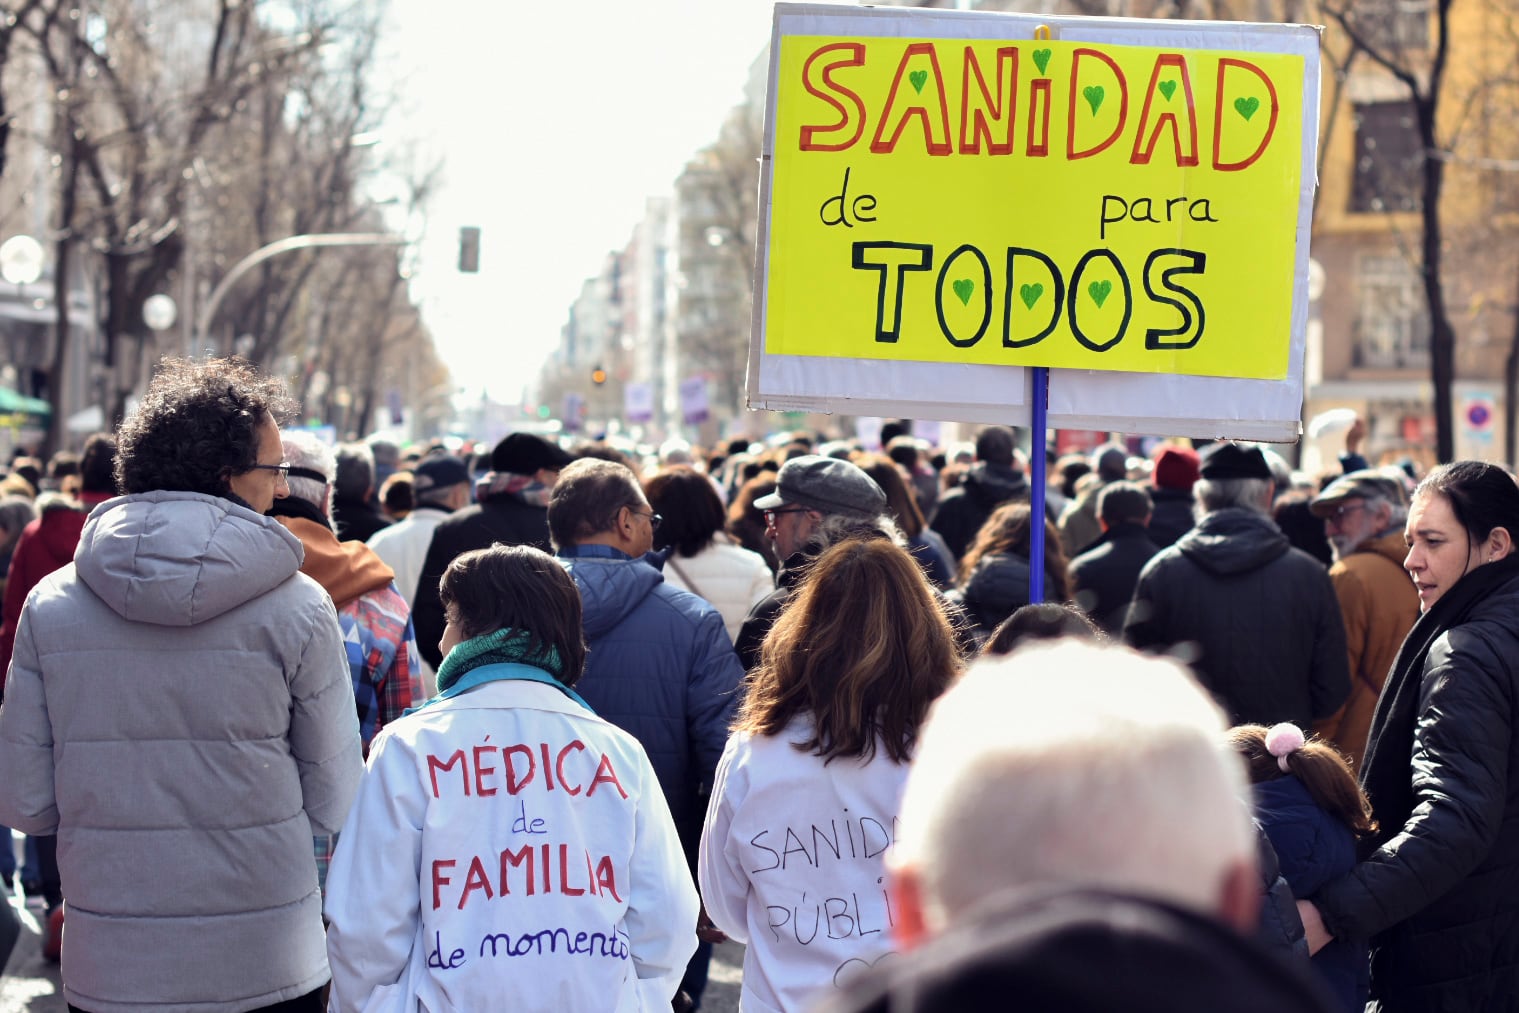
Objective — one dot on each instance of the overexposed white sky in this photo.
(555, 122)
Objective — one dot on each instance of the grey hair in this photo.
(836, 528)
(304, 450)
(1213, 494)
(1119, 780)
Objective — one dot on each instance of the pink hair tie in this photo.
(1282, 740)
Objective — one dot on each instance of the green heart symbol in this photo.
(1246, 107)
(1031, 294)
(918, 78)
(1099, 291)
(964, 287)
(1093, 93)
(1167, 88)
(1042, 59)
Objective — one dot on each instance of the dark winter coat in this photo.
(966, 507)
(1170, 515)
(1269, 641)
(1312, 848)
(995, 589)
(1103, 577)
(660, 666)
(1281, 927)
(356, 519)
(502, 518)
(1439, 897)
(1082, 951)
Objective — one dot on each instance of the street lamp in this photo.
(21, 260)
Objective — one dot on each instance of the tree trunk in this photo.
(57, 375)
(1442, 337)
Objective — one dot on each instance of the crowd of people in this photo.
(291, 726)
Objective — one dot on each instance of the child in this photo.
(1313, 812)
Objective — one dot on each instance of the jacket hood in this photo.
(1233, 540)
(345, 570)
(1389, 546)
(182, 558)
(612, 583)
(993, 484)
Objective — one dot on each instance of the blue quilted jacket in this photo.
(660, 666)
(1313, 848)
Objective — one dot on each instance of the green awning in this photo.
(10, 401)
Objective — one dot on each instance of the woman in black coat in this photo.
(1438, 894)
(994, 575)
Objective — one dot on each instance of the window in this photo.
(1392, 327)
(1388, 158)
(1392, 26)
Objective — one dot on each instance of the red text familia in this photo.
(989, 91)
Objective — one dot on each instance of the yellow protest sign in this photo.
(1035, 203)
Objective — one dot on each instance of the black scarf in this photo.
(294, 506)
(1385, 773)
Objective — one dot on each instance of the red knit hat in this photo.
(1175, 468)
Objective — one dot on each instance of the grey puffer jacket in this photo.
(179, 713)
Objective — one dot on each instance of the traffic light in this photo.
(469, 250)
(598, 376)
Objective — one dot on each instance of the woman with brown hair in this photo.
(804, 803)
(747, 524)
(994, 575)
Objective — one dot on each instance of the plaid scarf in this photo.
(525, 488)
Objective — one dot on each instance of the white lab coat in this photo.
(508, 850)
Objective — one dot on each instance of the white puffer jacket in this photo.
(730, 578)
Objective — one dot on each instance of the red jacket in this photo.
(45, 545)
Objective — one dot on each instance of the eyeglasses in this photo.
(1338, 513)
(655, 520)
(283, 468)
(771, 515)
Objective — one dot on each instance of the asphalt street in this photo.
(32, 985)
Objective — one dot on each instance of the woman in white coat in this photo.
(508, 849)
(703, 559)
(805, 799)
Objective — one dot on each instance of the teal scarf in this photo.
(500, 655)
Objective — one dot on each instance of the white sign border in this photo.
(1159, 403)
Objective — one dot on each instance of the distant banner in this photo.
(693, 400)
(987, 201)
(638, 402)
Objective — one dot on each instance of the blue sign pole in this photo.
(1037, 468)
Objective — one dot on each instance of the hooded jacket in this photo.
(964, 509)
(1379, 603)
(660, 666)
(180, 715)
(1268, 640)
